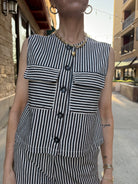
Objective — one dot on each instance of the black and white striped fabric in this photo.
(62, 115)
(43, 168)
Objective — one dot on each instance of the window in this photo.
(118, 74)
(129, 73)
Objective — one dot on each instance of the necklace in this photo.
(78, 45)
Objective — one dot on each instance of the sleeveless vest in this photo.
(62, 114)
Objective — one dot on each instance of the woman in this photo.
(64, 112)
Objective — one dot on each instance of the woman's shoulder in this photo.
(98, 43)
(38, 36)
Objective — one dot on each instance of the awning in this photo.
(117, 63)
(135, 62)
(125, 63)
(40, 11)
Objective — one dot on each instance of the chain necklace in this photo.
(73, 45)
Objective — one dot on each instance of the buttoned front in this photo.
(69, 47)
(65, 84)
(63, 89)
(56, 140)
(60, 115)
(67, 67)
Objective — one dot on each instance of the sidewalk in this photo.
(125, 149)
(2, 150)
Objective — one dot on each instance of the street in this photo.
(125, 148)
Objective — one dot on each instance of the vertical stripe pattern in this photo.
(62, 115)
(38, 168)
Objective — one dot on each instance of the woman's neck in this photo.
(72, 29)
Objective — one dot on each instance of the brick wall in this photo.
(7, 84)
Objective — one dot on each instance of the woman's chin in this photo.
(72, 11)
(72, 7)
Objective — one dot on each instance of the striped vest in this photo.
(62, 114)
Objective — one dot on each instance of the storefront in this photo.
(125, 69)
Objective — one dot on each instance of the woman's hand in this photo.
(9, 176)
(107, 177)
(106, 181)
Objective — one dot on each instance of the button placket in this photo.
(71, 74)
(63, 89)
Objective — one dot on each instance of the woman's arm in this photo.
(107, 121)
(19, 103)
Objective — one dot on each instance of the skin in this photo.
(20, 100)
(105, 106)
(71, 27)
(71, 19)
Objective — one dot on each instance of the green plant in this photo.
(123, 81)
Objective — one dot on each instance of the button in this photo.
(63, 89)
(69, 47)
(67, 67)
(73, 53)
(60, 115)
(56, 139)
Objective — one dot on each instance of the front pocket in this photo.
(42, 85)
(85, 92)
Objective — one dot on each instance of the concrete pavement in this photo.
(125, 149)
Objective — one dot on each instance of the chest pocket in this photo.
(85, 92)
(42, 85)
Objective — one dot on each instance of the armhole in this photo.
(29, 55)
(29, 50)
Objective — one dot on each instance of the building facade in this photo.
(125, 39)
(32, 17)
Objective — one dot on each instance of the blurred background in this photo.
(111, 21)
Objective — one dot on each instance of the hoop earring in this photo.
(90, 10)
(51, 9)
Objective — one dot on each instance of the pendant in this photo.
(73, 53)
